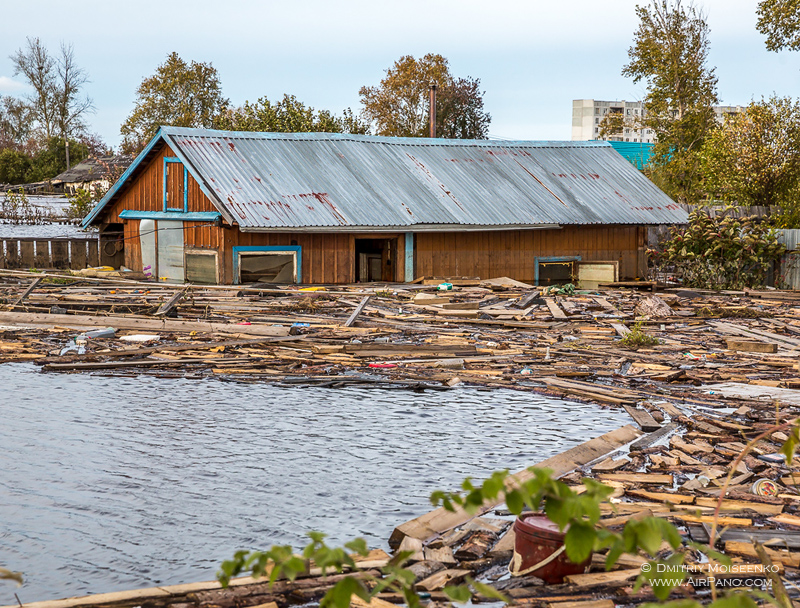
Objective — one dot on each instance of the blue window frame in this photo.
(294, 250)
(548, 260)
(168, 160)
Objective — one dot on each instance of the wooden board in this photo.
(119, 322)
(751, 346)
(554, 309)
(644, 478)
(643, 418)
(440, 520)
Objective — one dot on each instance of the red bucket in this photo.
(539, 550)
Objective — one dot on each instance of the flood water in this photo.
(113, 483)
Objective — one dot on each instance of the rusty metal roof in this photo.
(328, 181)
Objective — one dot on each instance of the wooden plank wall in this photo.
(60, 253)
(512, 253)
(326, 257)
(146, 193)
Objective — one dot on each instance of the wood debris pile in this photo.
(724, 371)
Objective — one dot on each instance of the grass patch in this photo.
(637, 338)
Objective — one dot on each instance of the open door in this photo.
(376, 260)
(170, 252)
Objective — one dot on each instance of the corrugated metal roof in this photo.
(335, 181)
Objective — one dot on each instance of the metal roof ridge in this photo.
(381, 139)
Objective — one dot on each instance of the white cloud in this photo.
(8, 85)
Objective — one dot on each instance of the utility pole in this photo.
(433, 109)
(66, 139)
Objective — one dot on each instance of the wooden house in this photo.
(237, 207)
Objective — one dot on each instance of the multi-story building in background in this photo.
(588, 114)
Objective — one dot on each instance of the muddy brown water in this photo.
(113, 483)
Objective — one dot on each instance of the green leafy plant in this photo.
(17, 209)
(637, 338)
(720, 253)
(81, 203)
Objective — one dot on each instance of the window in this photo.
(267, 264)
(175, 187)
(201, 267)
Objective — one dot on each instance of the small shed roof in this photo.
(329, 181)
(92, 169)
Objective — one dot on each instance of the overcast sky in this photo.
(533, 56)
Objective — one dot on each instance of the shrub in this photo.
(720, 253)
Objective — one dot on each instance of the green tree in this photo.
(14, 166)
(670, 53)
(52, 160)
(178, 94)
(754, 157)
(779, 21)
(286, 116)
(399, 105)
(16, 124)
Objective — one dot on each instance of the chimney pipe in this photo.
(433, 109)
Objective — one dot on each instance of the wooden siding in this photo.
(133, 248)
(512, 253)
(326, 257)
(146, 192)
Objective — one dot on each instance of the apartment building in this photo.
(587, 114)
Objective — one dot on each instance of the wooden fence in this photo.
(62, 253)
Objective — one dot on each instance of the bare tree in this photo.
(39, 68)
(70, 106)
(56, 102)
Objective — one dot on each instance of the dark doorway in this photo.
(555, 272)
(376, 260)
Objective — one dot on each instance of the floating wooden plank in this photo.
(650, 439)
(526, 300)
(774, 538)
(357, 311)
(357, 602)
(643, 478)
(751, 346)
(742, 505)
(119, 322)
(676, 499)
(786, 558)
(643, 418)
(28, 291)
(622, 330)
(443, 555)
(610, 465)
(440, 520)
(442, 579)
(554, 309)
(505, 546)
(754, 392)
(167, 306)
(601, 578)
(761, 335)
(786, 519)
(741, 522)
